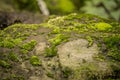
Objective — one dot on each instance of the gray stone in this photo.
(72, 53)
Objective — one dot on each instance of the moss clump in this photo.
(49, 74)
(91, 71)
(56, 30)
(7, 44)
(66, 72)
(112, 44)
(79, 23)
(10, 42)
(4, 64)
(51, 51)
(17, 41)
(103, 26)
(54, 42)
(35, 61)
(90, 40)
(28, 46)
(24, 51)
(12, 56)
(58, 39)
(20, 31)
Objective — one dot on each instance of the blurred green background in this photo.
(104, 8)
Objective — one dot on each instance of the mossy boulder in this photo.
(72, 47)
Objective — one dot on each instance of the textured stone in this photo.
(73, 53)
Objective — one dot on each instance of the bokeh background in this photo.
(104, 8)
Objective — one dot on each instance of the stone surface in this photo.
(73, 53)
(39, 49)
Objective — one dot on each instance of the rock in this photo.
(76, 55)
(72, 47)
(40, 48)
(73, 53)
(9, 18)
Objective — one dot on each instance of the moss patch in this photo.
(51, 51)
(79, 23)
(58, 39)
(29, 46)
(103, 26)
(12, 56)
(35, 61)
(4, 64)
(113, 46)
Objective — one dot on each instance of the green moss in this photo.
(19, 30)
(13, 35)
(66, 72)
(103, 26)
(100, 57)
(112, 44)
(56, 30)
(90, 40)
(15, 76)
(4, 64)
(88, 18)
(79, 23)
(12, 56)
(57, 21)
(35, 61)
(58, 39)
(28, 46)
(49, 74)
(90, 71)
(17, 41)
(15, 27)
(24, 51)
(51, 51)
(73, 18)
(7, 44)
